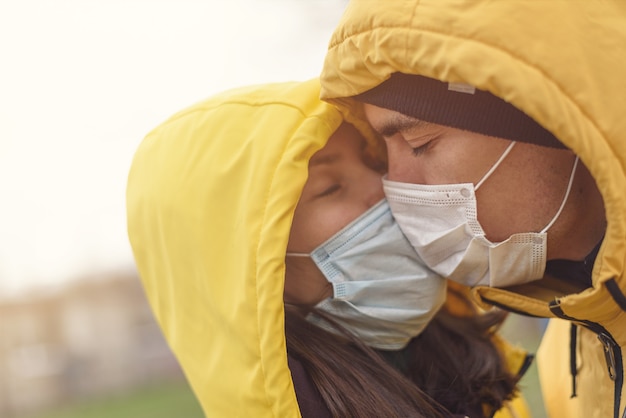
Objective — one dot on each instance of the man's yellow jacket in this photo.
(563, 63)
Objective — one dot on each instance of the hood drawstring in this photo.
(572, 357)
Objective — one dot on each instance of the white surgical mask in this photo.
(441, 222)
(382, 291)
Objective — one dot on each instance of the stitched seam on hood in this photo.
(272, 185)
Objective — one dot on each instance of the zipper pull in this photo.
(608, 344)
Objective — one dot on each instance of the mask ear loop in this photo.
(493, 167)
(569, 188)
(297, 255)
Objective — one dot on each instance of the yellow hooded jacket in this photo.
(210, 200)
(562, 63)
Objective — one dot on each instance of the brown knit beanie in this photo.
(459, 106)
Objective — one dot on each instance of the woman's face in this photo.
(340, 187)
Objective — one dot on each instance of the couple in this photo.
(524, 202)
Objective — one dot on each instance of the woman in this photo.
(212, 196)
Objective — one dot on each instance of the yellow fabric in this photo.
(210, 202)
(561, 62)
(515, 358)
(517, 408)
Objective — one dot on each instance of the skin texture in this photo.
(341, 186)
(523, 194)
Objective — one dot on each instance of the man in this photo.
(505, 131)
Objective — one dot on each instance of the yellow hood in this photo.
(561, 62)
(210, 199)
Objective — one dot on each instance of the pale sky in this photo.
(83, 81)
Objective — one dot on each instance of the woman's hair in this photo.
(456, 362)
(453, 362)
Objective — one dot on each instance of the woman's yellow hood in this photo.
(570, 80)
(210, 199)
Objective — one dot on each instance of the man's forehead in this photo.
(389, 122)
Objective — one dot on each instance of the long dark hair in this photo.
(453, 366)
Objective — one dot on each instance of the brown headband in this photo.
(459, 106)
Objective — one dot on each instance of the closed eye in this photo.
(330, 190)
(421, 149)
(426, 143)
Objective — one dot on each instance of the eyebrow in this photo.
(325, 160)
(398, 123)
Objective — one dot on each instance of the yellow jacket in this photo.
(561, 62)
(210, 199)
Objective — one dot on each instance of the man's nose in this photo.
(403, 166)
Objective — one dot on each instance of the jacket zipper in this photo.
(612, 350)
(612, 353)
(609, 346)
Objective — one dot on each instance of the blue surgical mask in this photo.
(382, 291)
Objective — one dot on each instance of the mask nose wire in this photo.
(493, 167)
(569, 188)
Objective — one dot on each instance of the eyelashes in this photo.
(330, 190)
(430, 140)
(421, 149)
(425, 139)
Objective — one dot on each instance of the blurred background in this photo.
(81, 83)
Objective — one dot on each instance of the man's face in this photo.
(521, 195)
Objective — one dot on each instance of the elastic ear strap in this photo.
(493, 167)
(569, 187)
(297, 255)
